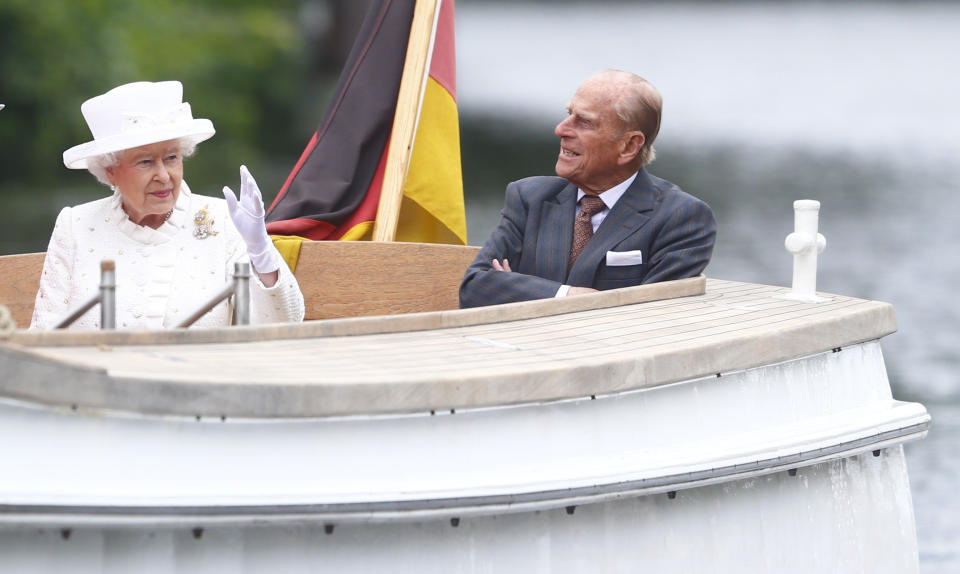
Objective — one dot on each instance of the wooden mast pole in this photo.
(405, 120)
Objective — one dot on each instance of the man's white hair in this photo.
(638, 106)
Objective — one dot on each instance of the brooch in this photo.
(204, 224)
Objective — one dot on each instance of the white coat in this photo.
(163, 275)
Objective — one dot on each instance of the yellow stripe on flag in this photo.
(432, 210)
(289, 248)
(359, 232)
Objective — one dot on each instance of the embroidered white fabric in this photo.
(162, 274)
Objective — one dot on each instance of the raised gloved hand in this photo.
(247, 215)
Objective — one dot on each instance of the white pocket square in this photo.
(621, 258)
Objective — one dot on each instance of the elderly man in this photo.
(604, 222)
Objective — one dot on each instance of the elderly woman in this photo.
(173, 249)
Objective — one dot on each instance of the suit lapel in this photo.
(630, 213)
(556, 234)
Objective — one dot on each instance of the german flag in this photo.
(334, 190)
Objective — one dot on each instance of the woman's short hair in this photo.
(97, 165)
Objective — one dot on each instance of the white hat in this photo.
(133, 115)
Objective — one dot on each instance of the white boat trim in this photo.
(917, 423)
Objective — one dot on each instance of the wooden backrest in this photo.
(338, 278)
(19, 280)
(363, 278)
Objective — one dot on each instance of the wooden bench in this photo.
(338, 278)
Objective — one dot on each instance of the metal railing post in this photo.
(239, 288)
(241, 296)
(108, 294)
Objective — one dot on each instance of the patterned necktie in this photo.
(590, 205)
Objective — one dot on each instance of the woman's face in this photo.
(148, 178)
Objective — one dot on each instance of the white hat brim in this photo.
(197, 129)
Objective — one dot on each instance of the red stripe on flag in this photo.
(443, 62)
(308, 228)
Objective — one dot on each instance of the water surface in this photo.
(855, 105)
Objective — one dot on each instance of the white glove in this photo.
(247, 215)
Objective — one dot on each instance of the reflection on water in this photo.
(848, 104)
(933, 480)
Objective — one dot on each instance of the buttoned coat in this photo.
(162, 274)
(673, 231)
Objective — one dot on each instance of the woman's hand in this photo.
(248, 217)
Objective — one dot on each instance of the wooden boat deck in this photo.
(436, 361)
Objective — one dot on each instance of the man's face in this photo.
(589, 139)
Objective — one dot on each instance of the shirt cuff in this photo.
(562, 291)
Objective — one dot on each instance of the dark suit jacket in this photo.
(673, 231)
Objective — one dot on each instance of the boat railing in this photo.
(106, 297)
(239, 289)
(339, 279)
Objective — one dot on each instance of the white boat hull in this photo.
(791, 467)
(849, 515)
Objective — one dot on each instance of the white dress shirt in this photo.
(610, 198)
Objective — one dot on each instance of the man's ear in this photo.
(632, 144)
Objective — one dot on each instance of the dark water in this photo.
(854, 105)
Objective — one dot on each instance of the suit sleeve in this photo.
(484, 285)
(684, 244)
